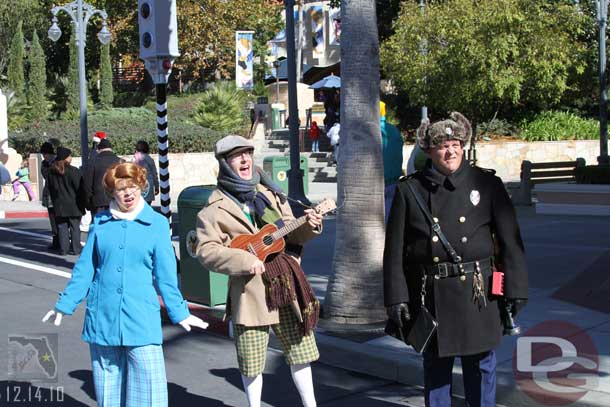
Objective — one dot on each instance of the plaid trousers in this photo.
(251, 344)
(129, 376)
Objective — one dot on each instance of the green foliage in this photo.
(72, 102)
(37, 81)
(221, 108)
(106, 94)
(497, 127)
(15, 67)
(555, 125)
(124, 128)
(486, 56)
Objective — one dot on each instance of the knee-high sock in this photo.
(253, 386)
(301, 375)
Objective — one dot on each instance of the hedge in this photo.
(124, 128)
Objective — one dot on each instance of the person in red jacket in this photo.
(314, 135)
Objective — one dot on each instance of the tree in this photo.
(221, 108)
(354, 294)
(106, 94)
(15, 67)
(37, 81)
(486, 56)
(73, 101)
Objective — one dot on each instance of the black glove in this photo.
(516, 305)
(399, 313)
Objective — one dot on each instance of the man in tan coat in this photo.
(245, 201)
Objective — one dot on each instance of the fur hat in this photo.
(457, 127)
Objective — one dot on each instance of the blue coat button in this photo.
(119, 290)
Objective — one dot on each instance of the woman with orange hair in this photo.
(128, 253)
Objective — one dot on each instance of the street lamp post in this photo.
(276, 65)
(602, 22)
(424, 51)
(80, 13)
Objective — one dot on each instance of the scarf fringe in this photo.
(285, 282)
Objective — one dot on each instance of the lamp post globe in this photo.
(54, 32)
(104, 35)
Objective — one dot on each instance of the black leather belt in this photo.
(444, 270)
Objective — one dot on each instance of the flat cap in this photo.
(231, 142)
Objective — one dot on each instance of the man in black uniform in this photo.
(478, 219)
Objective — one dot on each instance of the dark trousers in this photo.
(51, 211)
(68, 232)
(479, 373)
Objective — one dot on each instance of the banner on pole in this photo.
(244, 59)
(316, 14)
(334, 31)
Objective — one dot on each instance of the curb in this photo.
(23, 214)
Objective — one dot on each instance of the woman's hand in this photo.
(313, 218)
(192, 320)
(258, 267)
(58, 317)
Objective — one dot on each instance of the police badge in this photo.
(475, 197)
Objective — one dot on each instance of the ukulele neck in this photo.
(292, 226)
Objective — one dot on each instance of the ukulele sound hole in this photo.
(268, 240)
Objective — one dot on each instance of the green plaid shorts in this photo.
(251, 344)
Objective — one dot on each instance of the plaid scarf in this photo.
(285, 282)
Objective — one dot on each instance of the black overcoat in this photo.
(93, 179)
(472, 207)
(67, 192)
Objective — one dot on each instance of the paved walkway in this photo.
(559, 248)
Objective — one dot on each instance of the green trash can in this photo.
(197, 284)
(275, 119)
(278, 165)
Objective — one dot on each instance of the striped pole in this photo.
(163, 150)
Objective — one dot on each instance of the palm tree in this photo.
(354, 295)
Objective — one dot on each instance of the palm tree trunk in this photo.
(355, 294)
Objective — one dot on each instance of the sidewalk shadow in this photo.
(28, 394)
(85, 376)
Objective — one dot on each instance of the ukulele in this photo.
(270, 239)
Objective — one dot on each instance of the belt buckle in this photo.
(443, 270)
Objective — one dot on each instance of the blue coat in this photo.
(115, 272)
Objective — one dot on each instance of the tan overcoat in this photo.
(217, 224)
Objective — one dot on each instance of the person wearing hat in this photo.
(448, 272)
(391, 150)
(97, 198)
(67, 195)
(48, 154)
(274, 293)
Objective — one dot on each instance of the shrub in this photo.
(123, 126)
(15, 75)
(221, 108)
(106, 95)
(555, 125)
(497, 127)
(37, 83)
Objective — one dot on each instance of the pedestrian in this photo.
(23, 179)
(128, 253)
(439, 255)
(48, 156)
(144, 160)
(5, 176)
(314, 136)
(334, 136)
(391, 142)
(67, 195)
(97, 198)
(247, 199)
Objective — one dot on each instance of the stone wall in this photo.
(506, 157)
